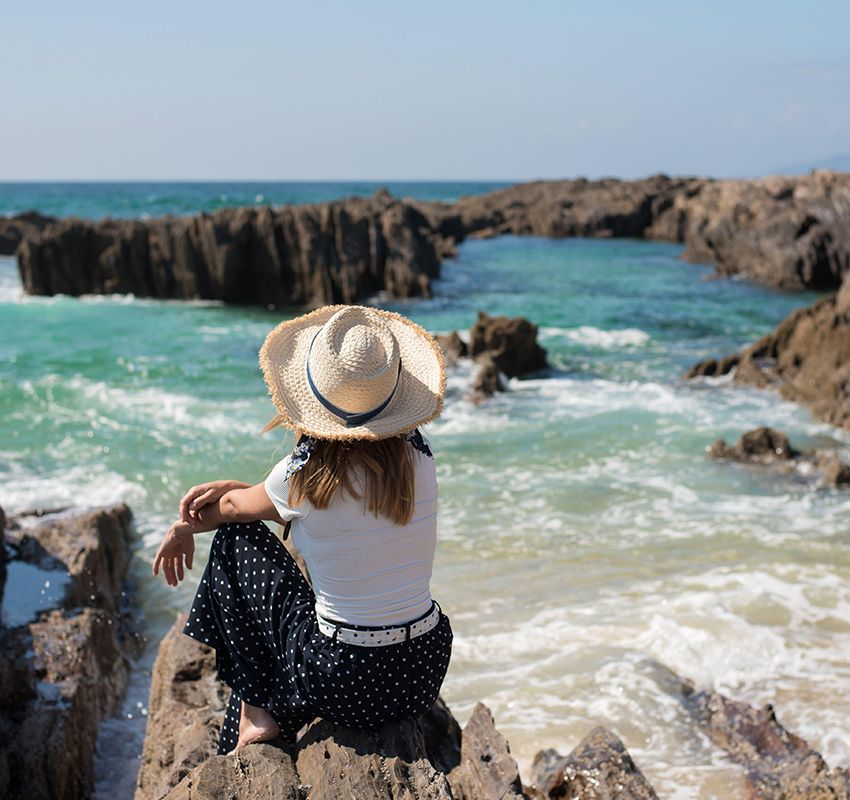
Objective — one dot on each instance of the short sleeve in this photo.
(277, 488)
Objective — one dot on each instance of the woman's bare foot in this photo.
(255, 725)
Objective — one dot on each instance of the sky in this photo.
(435, 90)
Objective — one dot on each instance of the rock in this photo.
(3, 556)
(185, 712)
(69, 674)
(92, 545)
(789, 232)
(14, 229)
(806, 358)
(452, 345)
(487, 770)
(334, 252)
(64, 671)
(599, 768)
(337, 762)
(766, 446)
(762, 445)
(778, 764)
(488, 379)
(512, 343)
(259, 771)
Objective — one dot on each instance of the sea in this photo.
(585, 536)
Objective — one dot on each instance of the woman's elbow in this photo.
(228, 507)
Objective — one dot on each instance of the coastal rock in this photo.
(766, 446)
(488, 380)
(21, 226)
(64, 671)
(293, 255)
(779, 765)
(452, 345)
(806, 358)
(487, 770)
(185, 713)
(260, 771)
(510, 341)
(599, 768)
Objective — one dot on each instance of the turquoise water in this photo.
(583, 530)
(123, 199)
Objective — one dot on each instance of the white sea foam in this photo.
(596, 337)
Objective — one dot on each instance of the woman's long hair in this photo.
(385, 467)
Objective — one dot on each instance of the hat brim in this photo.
(418, 398)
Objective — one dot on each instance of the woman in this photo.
(366, 644)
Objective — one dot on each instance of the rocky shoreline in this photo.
(790, 232)
(63, 667)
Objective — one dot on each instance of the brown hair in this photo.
(386, 466)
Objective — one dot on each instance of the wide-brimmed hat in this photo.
(353, 372)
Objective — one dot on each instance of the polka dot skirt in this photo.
(255, 608)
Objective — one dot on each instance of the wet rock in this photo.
(488, 380)
(185, 713)
(762, 445)
(92, 546)
(487, 770)
(778, 764)
(766, 446)
(510, 341)
(806, 358)
(14, 229)
(69, 674)
(62, 671)
(260, 771)
(334, 252)
(452, 345)
(599, 768)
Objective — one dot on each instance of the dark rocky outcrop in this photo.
(767, 446)
(598, 769)
(779, 765)
(806, 358)
(510, 341)
(62, 670)
(500, 346)
(313, 254)
(790, 232)
(425, 759)
(13, 230)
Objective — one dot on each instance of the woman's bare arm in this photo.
(236, 505)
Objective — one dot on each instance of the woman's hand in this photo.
(177, 545)
(204, 494)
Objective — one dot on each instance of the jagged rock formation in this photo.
(13, 230)
(779, 765)
(770, 447)
(294, 255)
(499, 345)
(806, 358)
(426, 759)
(790, 232)
(63, 670)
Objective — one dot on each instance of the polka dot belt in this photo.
(379, 637)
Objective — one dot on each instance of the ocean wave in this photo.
(596, 337)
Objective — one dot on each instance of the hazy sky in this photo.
(430, 90)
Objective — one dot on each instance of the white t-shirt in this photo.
(365, 570)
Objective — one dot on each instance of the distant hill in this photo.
(838, 163)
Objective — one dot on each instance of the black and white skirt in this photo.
(256, 609)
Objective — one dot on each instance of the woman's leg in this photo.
(250, 588)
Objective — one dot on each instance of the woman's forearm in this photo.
(210, 516)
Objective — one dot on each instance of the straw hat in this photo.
(353, 372)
